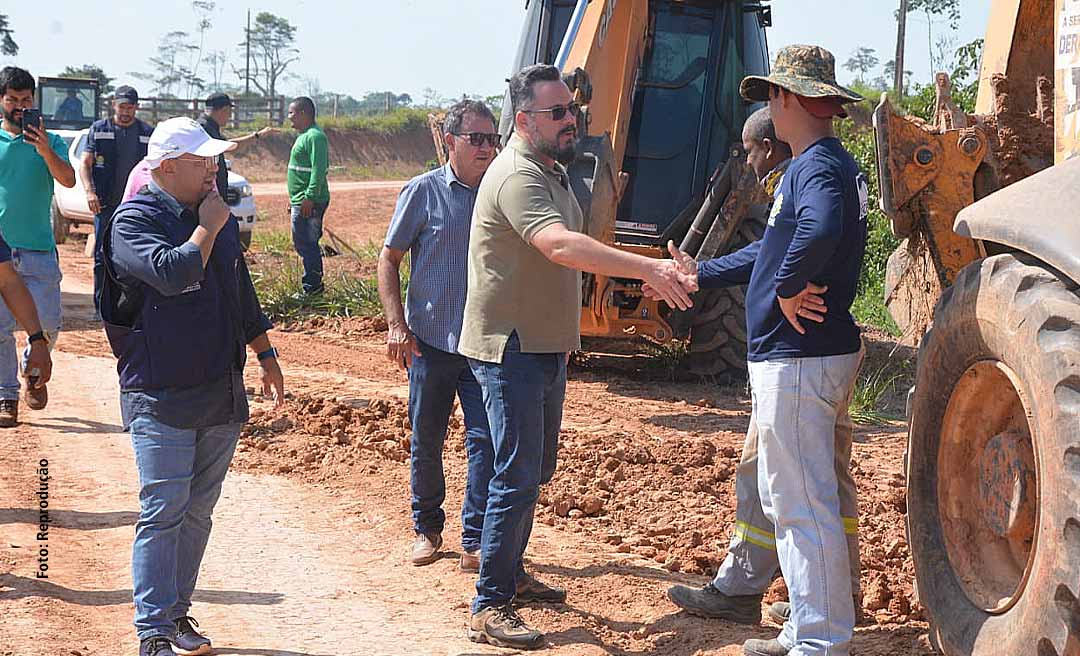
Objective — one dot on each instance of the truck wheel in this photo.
(61, 227)
(245, 240)
(718, 333)
(994, 462)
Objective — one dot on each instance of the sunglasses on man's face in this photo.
(478, 139)
(558, 112)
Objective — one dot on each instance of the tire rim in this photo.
(988, 485)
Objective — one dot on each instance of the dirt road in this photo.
(278, 188)
(307, 553)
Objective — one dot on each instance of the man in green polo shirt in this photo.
(309, 192)
(521, 319)
(30, 159)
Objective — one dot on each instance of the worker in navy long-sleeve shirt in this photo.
(816, 234)
(804, 350)
(179, 310)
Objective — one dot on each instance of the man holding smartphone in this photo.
(30, 159)
(179, 307)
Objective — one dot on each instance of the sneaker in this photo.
(780, 612)
(711, 603)
(9, 413)
(530, 589)
(36, 397)
(503, 627)
(470, 561)
(188, 641)
(755, 647)
(156, 646)
(425, 549)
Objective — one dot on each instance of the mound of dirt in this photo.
(398, 155)
(320, 439)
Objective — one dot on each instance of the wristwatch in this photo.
(39, 336)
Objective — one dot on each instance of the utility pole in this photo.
(898, 61)
(247, 48)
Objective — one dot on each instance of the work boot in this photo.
(188, 641)
(425, 549)
(36, 397)
(755, 647)
(780, 612)
(156, 646)
(530, 589)
(711, 603)
(470, 561)
(9, 413)
(503, 627)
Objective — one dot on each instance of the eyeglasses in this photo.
(208, 162)
(558, 112)
(478, 139)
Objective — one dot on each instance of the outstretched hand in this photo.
(807, 304)
(685, 269)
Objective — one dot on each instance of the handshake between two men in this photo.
(680, 278)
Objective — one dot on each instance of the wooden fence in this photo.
(153, 110)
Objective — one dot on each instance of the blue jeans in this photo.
(796, 405)
(306, 233)
(524, 399)
(180, 475)
(434, 377)
(40, 271)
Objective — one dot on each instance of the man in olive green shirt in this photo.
(521, 319)
(309, 193)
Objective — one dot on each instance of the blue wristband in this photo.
(267, 354)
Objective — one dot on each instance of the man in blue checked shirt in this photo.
(431, 223)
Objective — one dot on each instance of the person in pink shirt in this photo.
(137, 179)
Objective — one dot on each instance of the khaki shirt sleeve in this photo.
(526, 202)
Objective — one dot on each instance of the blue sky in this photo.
(409, 45)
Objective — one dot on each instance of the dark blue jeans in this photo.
(306, 233)
(434, 378)
(524, 399)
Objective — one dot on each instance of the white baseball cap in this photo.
(180, 135)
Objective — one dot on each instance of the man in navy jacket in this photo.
(179, 308)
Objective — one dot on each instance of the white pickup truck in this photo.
(69, 205)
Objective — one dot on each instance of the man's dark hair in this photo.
(13, 77)
(455, 116)
(759, 127)
(306, 105)
(522, 83)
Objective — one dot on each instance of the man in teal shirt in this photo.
(30, 160)
(309, 193)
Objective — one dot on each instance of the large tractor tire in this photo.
(994, 463)
(718, 327)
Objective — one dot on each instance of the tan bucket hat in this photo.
(808, 71)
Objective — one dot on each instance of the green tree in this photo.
(7, 42)
(203, 10)
(272, 51)
(93, 72)
(948, 10)
(170, 74)
(862, 61)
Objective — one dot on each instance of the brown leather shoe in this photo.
(531, 589)
(425, 549)
(36, 397)
(9, 413)
(503, 627)
(755, 647)
(470, 561)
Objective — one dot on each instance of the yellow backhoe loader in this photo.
(985, 281)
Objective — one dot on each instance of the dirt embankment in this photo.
(353, 153)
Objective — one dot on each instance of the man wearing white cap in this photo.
(179, 308)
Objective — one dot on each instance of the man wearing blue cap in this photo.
(113, 147)
(219, 111)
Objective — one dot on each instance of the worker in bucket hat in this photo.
(804, 351)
